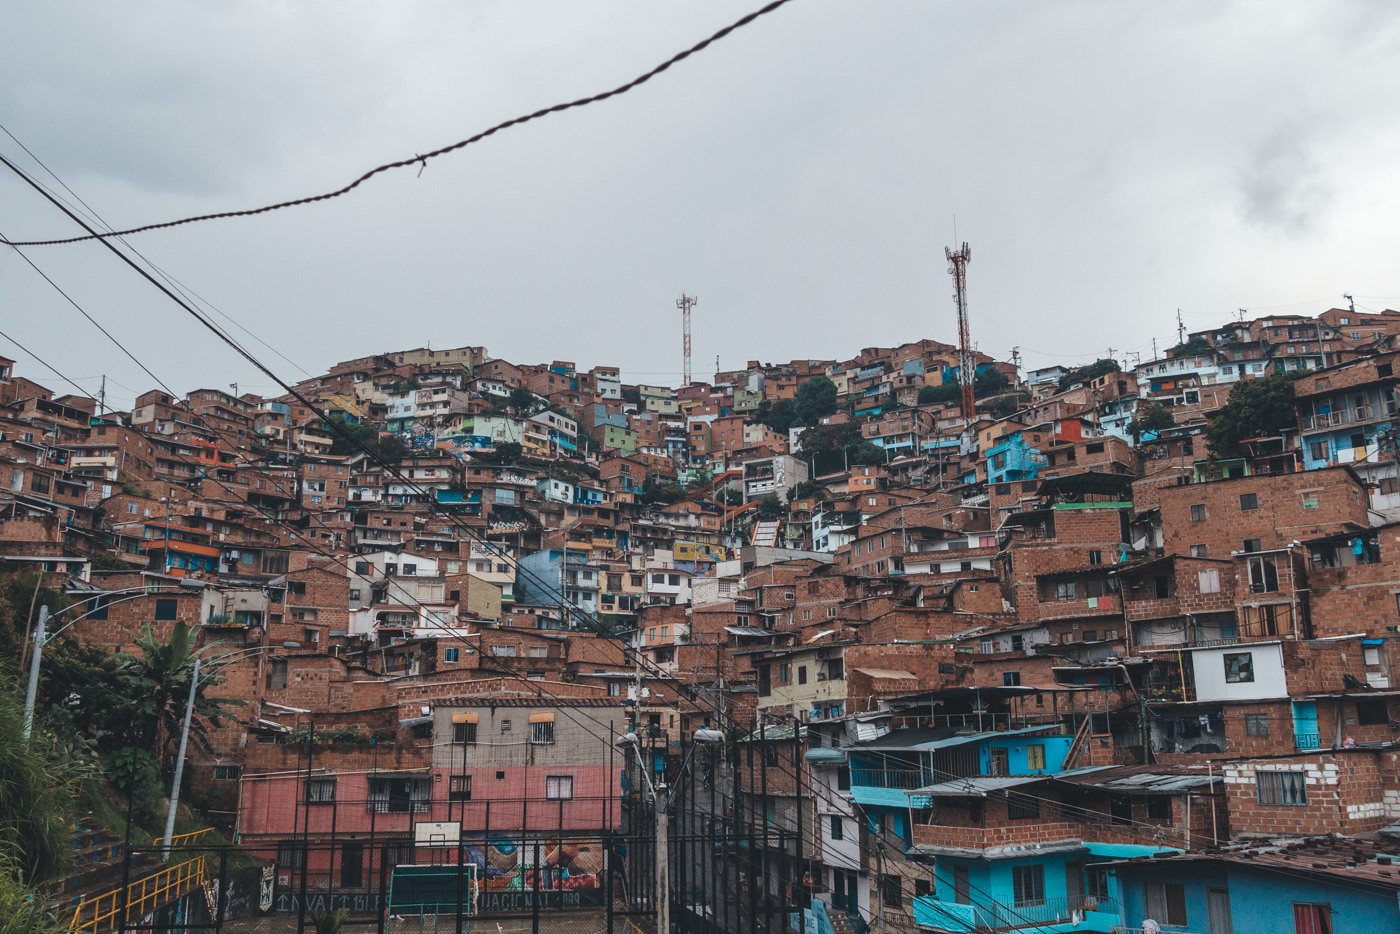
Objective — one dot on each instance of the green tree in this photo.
(815, 398)
(1089, 371)
(349, 438)
(831, 447)
(944, 394)
(809, 488)
(1256, 408)
(990, 382)
(771, 507)
(524, 402)
(1196, 345)
(779, 416)
(162, 675)
(661, 493)
(632, 394)
(1150, 418)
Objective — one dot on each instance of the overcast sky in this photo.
(1109, 163)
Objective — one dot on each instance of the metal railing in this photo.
(1307, 741)
(999, 916)
(888, 778)
(99, 912)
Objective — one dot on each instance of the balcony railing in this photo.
(907, 779)
(1305, 741)
(999, 916)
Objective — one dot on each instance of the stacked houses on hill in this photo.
(1054, 663)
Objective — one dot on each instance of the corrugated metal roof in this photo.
(885, 673)
(748, 631)
(926, 745)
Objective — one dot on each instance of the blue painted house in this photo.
(1315, 885)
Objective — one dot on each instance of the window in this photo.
(1285, 789)
(801, 674)
(1011, 679)
(1028, 884)
(1065, 590)
(891, 891)
(290, 855)
(505, 726)
(541, 734)
(1165, 903)
(398, 794)
(1198, 551)
(226, 773)
(1256, 724)
(836, 831)
(320, 790)
(1159, 807)
(1311, 918)
(165, 609)
(1249, 501)
(1162, 586)
(1096, 557)
(830, 612)
(1022, 807)
(1239, 667)
(1372, 712)
(459, 788)
(1035, 756)
(464, 734)
(1198, 512)
(559, 787)
(1263, 575)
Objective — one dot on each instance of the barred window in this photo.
(1282, 788)
(1256, 724)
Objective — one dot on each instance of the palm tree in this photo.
(162, 677)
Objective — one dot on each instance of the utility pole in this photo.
(1351, 302)
(957, 268)
(102, 397)
(31, 694)
(685, 303)
(1016, 360)
(180, 765)
(1180, 328)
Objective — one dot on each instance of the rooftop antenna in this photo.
(685, 303)
(957, 267)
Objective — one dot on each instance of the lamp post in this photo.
(659, 797)
(41, 638)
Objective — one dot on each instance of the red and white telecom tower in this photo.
(685, 303)
(957, 267)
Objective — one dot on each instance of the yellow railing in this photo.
(142, 896)
(181, 839)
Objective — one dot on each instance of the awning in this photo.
(416, 721)
(821, 635)
(977, 786)
(464, 718)
(747, 631)
(542, 717)
(885, 673)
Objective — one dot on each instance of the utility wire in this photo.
(422, 159)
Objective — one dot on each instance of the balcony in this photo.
(942, 837)
(903, 779)
(1076, 609)
(1077, 913)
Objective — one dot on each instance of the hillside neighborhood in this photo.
(1113, 649)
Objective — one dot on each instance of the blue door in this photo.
(1305, 724)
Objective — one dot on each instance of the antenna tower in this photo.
(957, 267)
(685, 303)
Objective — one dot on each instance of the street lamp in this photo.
(659, 797)
(42, 639)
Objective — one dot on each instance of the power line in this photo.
(422, 159)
